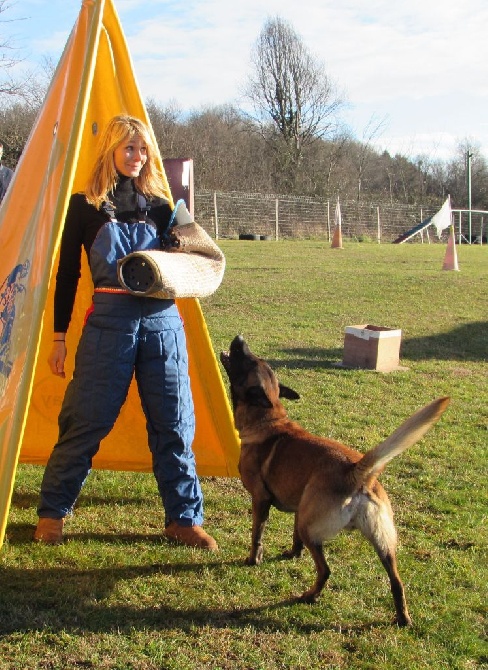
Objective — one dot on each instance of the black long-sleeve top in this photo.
(82, 223)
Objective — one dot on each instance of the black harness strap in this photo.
(143, 208)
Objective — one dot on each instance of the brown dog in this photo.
(328, 485)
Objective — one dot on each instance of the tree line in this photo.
(289, 139)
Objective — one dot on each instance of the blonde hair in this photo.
(103, 179)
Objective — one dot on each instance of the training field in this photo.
(117, 596)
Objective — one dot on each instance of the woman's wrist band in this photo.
(59, 340)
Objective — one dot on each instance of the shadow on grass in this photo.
(66, 599)
(468, 342)
(21, 534)
(70, 600)
(307, 358)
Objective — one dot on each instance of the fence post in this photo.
(216, 216)
(481, 231)
(277, 221)
(328, 220)
(379, 223)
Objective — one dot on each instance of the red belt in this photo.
(104, 289)
(111, 289)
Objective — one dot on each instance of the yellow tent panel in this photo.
(93, 82)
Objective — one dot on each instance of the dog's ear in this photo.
(256, 396)
(288, 393)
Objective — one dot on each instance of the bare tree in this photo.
(457, 175)
(35, 84)
(166, 125)
(373, 128)
(336, 151)
(9, 57)
(293, 99)
(16, 122)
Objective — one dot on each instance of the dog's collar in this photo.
(255, 429)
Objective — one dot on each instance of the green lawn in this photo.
(117, 595)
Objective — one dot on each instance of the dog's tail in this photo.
(407, 434)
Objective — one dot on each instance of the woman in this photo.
(123, 209)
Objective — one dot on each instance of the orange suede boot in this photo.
(49, 531)
(191, 536)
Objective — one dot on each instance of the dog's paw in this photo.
(255, 559)
(252, 560)
(291, 553)
(403, 621)
(308, 597)
(256, 555)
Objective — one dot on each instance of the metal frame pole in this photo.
(469, 156)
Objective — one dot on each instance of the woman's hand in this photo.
(57, 357)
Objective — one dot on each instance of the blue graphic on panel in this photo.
(10, 291)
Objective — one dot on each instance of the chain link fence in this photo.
(261, 216)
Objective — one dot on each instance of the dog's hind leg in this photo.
(376, 524)
(297, 546)
(397, 590)
(260, 514)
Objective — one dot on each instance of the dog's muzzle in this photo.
(225, 359)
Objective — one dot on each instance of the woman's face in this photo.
(130, 156)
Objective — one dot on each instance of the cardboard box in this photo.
(372, 348)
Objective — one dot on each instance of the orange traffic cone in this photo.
(450, 259)
(337, 238)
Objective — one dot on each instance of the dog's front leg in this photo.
(297, 546)
(323, 572)
(260, 514)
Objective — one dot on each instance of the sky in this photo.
(416, 69)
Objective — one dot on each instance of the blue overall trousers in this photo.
(126, 335)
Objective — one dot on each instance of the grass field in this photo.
(116, 595)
